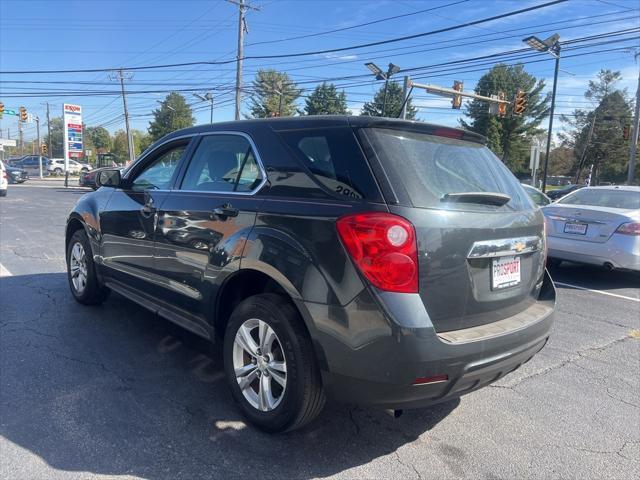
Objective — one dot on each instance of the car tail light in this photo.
(383, 246)
(545, 233)
(631, 228)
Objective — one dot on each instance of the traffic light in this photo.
(502, 107)
(520, 102)
(23, 114)
(44, 149)
(456, 101)
(1, 108)
(626, 132)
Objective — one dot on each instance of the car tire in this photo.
(287, 354)
(57, 171)
(3, 193)
(81, 271)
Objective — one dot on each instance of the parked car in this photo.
(31, 163)
(536, 195)
(4, 181)
(88, 178)
(561, 192)
(596, 225)
(16, 174)
(75, 167)
(383, 262)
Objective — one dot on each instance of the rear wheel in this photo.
(58, 171)
(3, 193)
(270, 365)
(81, 271)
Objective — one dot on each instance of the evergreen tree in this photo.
(508, 137)
(326, 100)
(607, 150)
(275, 95)
(393, 105)
(173, 114)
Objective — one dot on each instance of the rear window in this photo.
(429, 167)
(624, 199)
(334, 158)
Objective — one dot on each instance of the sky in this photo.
(105, 34)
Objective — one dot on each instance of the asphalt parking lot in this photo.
(112, 391)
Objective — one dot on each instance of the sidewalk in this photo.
(51, 182)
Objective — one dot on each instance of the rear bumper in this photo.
(382, 371)
(622, 251)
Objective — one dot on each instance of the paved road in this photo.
(112, 391)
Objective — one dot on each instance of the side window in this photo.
(157, 174)
(334, 158)
(222, 163)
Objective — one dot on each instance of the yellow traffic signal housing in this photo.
(520, 102)
(456, 101)
(44, 149)
(23, 114)
(1, 108)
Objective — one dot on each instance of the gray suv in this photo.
(381, 262)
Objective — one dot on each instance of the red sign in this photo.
(74, 125)
(72, 108)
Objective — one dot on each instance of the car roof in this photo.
(319, 121)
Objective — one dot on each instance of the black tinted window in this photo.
(223, 163)
(158, 174)
(603, 197)
(334, 158)
(429, 167)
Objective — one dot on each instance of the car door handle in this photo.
(225, 210)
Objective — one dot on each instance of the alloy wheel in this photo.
(78, 267)
(259, 365)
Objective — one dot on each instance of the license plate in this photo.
(575, 228)
(505, 272)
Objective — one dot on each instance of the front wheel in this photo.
(270, 365)
(3, 193)
(58, 171)
(81, 271)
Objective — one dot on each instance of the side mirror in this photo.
(109, 178)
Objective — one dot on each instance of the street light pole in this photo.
(634, 137)
(550, 132)
(550, 45)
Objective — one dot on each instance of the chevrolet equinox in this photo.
(381, 262)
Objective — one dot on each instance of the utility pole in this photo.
(583, 157)
(405, 96)
(38, 145)
(634, 136)
(242, 28)
(20, 139)
(553, 107)
(49, 151)
(121, 77)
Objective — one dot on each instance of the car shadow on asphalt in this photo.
(595, 277)
(115, 390)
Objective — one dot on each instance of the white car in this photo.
(75, 168)
(4, 180)
(596, 225)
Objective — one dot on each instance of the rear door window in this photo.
(223, 163)
(428, 167)
(334, 159)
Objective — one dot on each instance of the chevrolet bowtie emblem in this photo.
(518, 247)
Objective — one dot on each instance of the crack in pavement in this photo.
(397, 455)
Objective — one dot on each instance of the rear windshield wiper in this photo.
(484, 198)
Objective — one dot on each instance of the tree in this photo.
(141, 141)
(275, 95)
(607, 150)
(509, 137)
(173, 114)
(99, 138)
(561, 161)
(393, 104)
(326, 100)
(120, 147)
(57, 132)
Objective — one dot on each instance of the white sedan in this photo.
(57, 166)
(596, 225)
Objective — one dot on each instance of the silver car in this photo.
(596, 225)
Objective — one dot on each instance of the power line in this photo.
(301, 54)
(373, 22)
